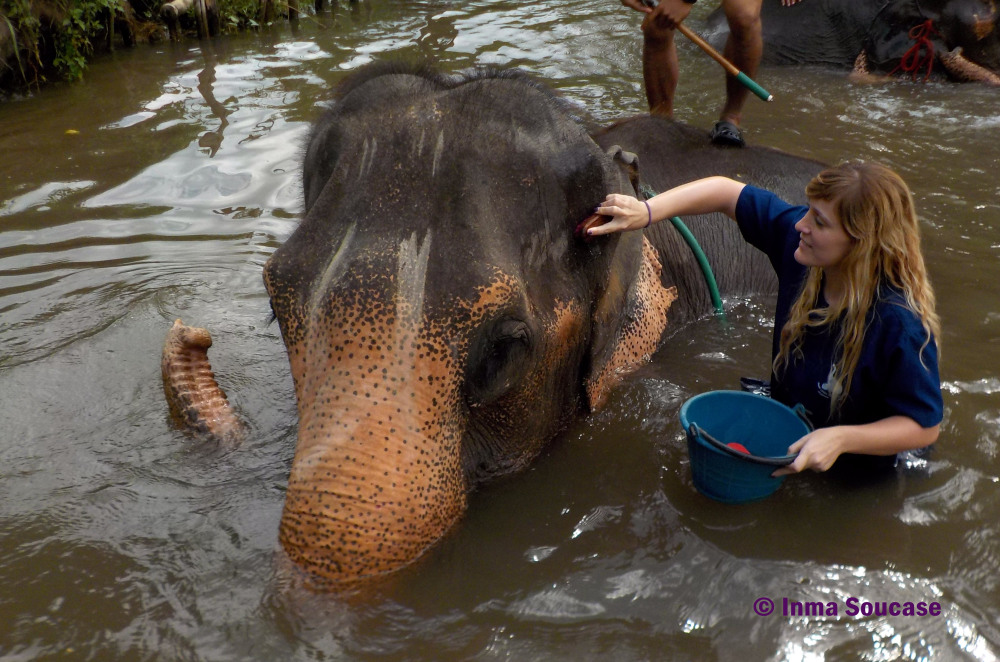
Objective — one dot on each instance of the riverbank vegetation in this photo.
(48, 40)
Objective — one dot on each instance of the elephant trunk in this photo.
(966, 70)
(195, 399)
(376, 478)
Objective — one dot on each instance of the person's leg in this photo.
(660, 69)
(744, 49)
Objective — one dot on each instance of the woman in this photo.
(855, 325)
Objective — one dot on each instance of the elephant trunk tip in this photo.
(191, 336)
(196, 401)
(293, 581)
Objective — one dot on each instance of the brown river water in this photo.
(122, 539)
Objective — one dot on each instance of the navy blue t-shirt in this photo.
(896, 373)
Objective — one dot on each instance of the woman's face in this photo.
(823, 242)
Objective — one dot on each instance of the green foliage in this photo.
(71, 28)
(25, 29)
(86, 22)
(236, 15)
(61, 35)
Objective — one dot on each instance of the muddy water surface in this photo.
(158, 188)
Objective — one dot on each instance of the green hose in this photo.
(706, 269)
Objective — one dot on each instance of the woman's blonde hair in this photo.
(876, 209)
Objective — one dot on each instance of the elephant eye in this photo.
(498, 360)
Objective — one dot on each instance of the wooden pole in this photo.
(705, 46)
(731, 68)
(201, 16)
(212, 17)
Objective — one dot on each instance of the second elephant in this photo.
(915, 38)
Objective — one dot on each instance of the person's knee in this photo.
(743, 16)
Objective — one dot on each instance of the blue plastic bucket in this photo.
(765, 427)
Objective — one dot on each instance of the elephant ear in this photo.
(627, 162)
(630, 314)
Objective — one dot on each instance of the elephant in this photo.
(916, 38)
(443, 318)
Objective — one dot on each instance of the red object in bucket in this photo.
(736, 446)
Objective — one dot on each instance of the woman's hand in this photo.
(818, 450)
(626, 212)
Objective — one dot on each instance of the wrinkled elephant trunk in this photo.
(195, 399)
(964, 69)
(376, 478)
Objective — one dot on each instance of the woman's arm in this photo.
(702, 196)
(819, 449)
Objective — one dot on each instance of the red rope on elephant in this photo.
(921, 53)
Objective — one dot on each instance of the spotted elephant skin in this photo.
(959, 39)
(442, 320)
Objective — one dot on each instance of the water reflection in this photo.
(42, 198)
(211, 140)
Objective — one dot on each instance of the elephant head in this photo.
(442, 321)
(972, 28)
(909, 37)
(964, 34)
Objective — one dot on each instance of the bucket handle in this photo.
(785, 460)
(803, 415)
